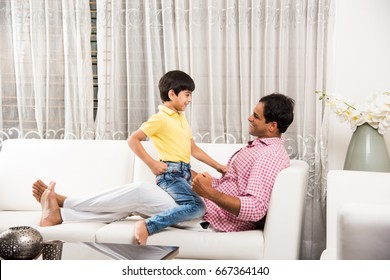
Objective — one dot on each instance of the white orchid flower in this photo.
(375, 112)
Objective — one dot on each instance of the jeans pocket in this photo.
(163, 180)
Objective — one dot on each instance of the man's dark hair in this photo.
(278, 108)
(176, 80)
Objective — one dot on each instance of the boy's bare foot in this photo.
(141, 233)
(50, 209)
(38, 189)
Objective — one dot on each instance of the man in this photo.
(234, 202)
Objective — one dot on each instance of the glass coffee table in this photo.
(115, 251)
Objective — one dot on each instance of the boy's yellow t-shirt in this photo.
(170, 134)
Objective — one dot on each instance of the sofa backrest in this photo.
(79, 167)
(346, 187)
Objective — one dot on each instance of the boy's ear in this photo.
(171, 94)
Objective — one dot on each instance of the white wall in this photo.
(361, 62)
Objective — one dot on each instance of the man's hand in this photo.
(193, 174)
(202, 185)
(158, 167)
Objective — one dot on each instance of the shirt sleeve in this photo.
(152, 126)
(255, 201)
(214, 182)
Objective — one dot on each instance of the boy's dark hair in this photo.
(176, 80)
(278, 108)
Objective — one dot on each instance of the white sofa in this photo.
(83, 167)
(358, 215)
(364, 232)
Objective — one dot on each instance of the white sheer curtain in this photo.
(45, 70)
(236, 51)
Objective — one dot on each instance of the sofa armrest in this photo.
(350, 187)
(363, 232)
(283, 226)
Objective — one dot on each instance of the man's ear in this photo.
(274, 127)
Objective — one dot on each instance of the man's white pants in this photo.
(116, 203)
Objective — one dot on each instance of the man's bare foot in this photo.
(50, 209)
(38, 189)
(141, 233)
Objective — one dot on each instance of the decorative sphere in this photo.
(20, 243)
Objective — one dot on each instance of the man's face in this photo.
(257, 125)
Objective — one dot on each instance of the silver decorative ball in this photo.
(20, 243)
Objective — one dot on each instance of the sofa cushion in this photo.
(67, 232)
(243, 245)
(19, 218)
(193, 244)
(72, 232)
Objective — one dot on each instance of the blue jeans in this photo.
(176, 181)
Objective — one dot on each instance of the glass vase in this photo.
(367, 151)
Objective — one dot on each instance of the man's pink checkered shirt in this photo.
(250, 176)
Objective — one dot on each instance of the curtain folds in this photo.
(236, 51)
(46, 75)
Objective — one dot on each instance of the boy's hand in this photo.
(221, 169)
(158, 167)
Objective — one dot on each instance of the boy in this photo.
(172, 137)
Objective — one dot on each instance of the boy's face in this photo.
(181, 101)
